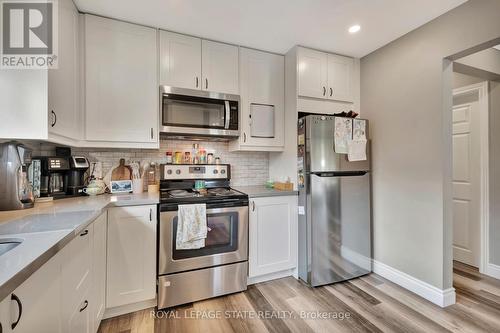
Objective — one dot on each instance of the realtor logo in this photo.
(28, 34)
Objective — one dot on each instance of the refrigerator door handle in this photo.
(340, 174)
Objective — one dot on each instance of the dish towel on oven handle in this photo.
(191, 227)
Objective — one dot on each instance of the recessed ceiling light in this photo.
(355, 28)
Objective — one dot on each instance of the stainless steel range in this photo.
(218, 268)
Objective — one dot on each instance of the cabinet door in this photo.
(40, 297)
(220, 67)
(98, 294)
(262, 82)
(80, 318)
(180, 60)
(312, 73)
(5, 316)
(340, 78)
(272, 235)
(121, 82)
(64, 111)
(131, 262)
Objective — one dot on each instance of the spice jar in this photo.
(187, 158)
(169, 157)
(210, 158)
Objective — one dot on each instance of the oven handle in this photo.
(228, 115)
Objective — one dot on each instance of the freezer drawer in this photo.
(338, 229)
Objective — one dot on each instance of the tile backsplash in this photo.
(247, 168)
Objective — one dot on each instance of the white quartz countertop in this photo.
(262, 191)
(47, 228)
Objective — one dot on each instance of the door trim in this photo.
(484, 200)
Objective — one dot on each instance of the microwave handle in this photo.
(228, 115)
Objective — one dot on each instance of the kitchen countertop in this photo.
(47, 228)
(262, 191)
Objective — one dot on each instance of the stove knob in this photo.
(178, 171)
(223, 171)
(169, 172)
(216, 172)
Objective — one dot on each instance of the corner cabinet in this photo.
(272, 237)
(325, 76)
(262, 92)
(193, 63)
(121, 89)
(131, 268)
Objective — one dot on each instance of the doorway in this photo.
(470, 170)
(475, 122)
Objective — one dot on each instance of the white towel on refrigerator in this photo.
(191, 227)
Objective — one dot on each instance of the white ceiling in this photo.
(278, 25)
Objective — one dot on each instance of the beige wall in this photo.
(402, 96)
(494, 243)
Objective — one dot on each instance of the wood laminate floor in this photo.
(366, 304)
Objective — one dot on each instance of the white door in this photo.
(220, 67)
(131, 262)
(64, 109)
(272, 235)
(313, 73)
(180, 60)
(466, 184)
(340, 75)
(121, 89)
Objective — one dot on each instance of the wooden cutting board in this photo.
(121, 172)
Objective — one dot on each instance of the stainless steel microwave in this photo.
(198, 113)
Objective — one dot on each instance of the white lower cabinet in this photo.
(98, 288)
(131, 268)
(272, 237)
(5, 316)
(35, 306)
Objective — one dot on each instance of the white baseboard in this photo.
(356, 258)
(493, 271)
(124, 309)
(440, 297)
(271, 276)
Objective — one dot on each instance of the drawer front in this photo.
(187, 287)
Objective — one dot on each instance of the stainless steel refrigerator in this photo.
(334, 206)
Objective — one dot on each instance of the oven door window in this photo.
(222, 236)
(197, 112)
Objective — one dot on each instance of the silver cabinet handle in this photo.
(206, 83)
(331, 92)
(196, 82)
(244, 137)
(85, 233)
(152, 133)
(253, 206)
(150, 214)
(324, 91)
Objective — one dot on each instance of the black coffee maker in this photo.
(63, 176)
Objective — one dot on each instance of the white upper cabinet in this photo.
(44, 103)
(219, 67)
(121, 89)
(340, 78)
(312, 73)
(189, 62)
(180, 60)
(325, 76)
(262, 91)
(64, 109)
